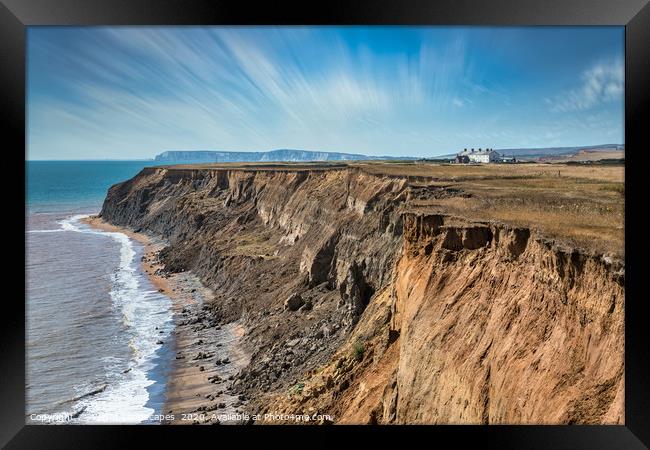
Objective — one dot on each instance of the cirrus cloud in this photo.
(603, 82)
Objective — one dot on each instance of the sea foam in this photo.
(147, 318)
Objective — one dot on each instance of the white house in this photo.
(478, 156)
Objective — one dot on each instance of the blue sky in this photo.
(133, 92)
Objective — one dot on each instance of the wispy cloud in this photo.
(603, 82)
(133, 92)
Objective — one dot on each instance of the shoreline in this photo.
(205, 354)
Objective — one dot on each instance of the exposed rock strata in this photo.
(405, 318)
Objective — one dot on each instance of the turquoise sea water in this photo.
(74, 185)
(94, 322)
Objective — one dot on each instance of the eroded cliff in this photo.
(360, 305)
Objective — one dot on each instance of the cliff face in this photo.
(499, 327)
(259, 237)
(396, 316)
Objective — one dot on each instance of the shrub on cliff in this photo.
(357, 350)
(296, 389)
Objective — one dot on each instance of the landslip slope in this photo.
(360, 305)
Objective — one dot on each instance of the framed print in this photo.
(379, 216)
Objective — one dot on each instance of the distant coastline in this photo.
(299, 155)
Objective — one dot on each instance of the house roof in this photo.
(476, 152)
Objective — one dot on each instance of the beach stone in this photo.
(293, 302)
(307, 306)
(202, 355)
(293, 342)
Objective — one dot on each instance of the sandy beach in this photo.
(207, 354)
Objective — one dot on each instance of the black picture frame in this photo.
(16, 15)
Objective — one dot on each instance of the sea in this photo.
(98, 333)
